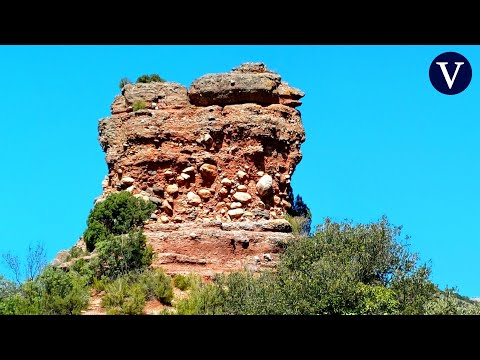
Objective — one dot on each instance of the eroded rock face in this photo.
(220, 152)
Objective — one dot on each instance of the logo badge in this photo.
(450, 73)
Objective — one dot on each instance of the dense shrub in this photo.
(186, 282)
(121, 254)
(123, 297)
(95, 232)
(150, 78)
(127, 293)
(53, 292)
(63, 292)
(375, 300)
(206, 299)
(120, 213)
(87, 269)
(100, 284)
(243, 293)
(17, 305)
(157, 285)
(321, 273)
(342, 269)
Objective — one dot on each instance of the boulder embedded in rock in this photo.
(265, 185)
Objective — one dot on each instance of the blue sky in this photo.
(379, 139)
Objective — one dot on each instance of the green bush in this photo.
(320, 274)
(8, 296)
(12, 305)
(122, 297)
(376, 300)
(127, 293)
(185, 282)
(244, 293)
(149, 78)
(157, 285)
(123, 82)
(100, 284)
(63, 292)
(120, 213)
(204, 300)
(138, 105)
(341, 269)
(53, 292)
(85, 268)
(95, 232)
(121, 254)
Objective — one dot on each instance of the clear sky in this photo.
(379, 139)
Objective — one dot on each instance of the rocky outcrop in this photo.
(248, 83)
(67, 258)
(211, 157)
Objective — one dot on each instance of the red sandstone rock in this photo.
(219, 153)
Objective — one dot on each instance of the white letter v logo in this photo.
(445, 72)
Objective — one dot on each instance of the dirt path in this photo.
(95, 305)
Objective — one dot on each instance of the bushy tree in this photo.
(119, 214)
(121, 254)
(327, 268)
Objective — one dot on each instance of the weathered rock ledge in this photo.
(211, 247)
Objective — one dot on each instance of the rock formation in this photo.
(216, 159)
